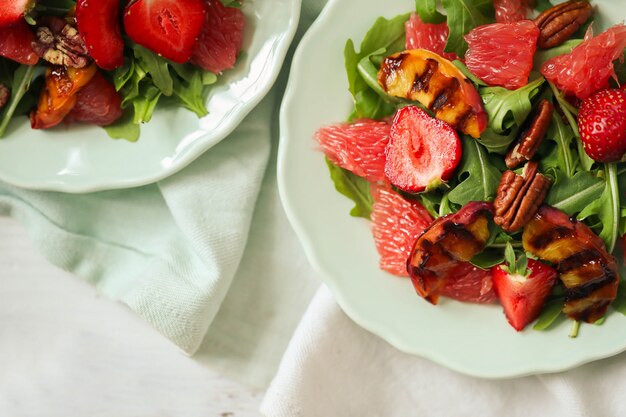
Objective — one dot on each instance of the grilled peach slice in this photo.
(435, 82)
(450, 241)
(587, 270)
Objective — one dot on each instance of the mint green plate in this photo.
(472, 339)
(83, 158)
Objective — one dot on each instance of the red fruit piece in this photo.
(422, 151)
(396, 224)
(168, 27)
(589, 66)
(602, 125)
(509, 11)
(502, 53)
(522, 298)
(358, 147)
(221, 38)
(470, 284)
(99, 25)
(429, 36)
(12, 11)
(448, 243)
(15, 43)
(97, 103)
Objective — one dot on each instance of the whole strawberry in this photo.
(602, 125)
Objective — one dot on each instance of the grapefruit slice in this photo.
(429, 36)
(502, 53)
(396, 225)
(358, 147)
(589, 66)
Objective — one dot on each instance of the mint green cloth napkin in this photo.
(168, 250)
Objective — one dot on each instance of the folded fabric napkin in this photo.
(168, 250)
(335, 368)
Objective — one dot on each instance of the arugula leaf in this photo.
(507, 108)
(157, 67)
(542, 5)
(619, 304)
(550, 313)
(542, 55)
(145, 103)
(497, 143)
(562, 156)
(488, 258)
(427, 10)
(573, 194)
(607, 208)
(463, 68)
(354, 187)
(463, 16)
(478, 177)
(22, 78)
(384, 37)
(191, 94)
(124, 128)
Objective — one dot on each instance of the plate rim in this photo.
(360, 319)
(196, 149)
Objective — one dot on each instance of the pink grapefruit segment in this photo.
(396, 225)
(429, 36)
(589, 66)
(358, 147)
(501, 54)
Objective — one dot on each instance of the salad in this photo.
(486, 146)
(111, 62)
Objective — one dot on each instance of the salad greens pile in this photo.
(145, 80)
(581, 188)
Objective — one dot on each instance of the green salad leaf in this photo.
(383, 38)
(549, 314)
(573, 194)
(354, 187)
(19, 85)
(607, 208)
(478, 177)
(427, 10)
(462, 16)
(562, 156)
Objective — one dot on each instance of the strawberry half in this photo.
(168, 27)
(99, 25)
(422, 152)
(12, 11)
(523, 293)
(602, 125)
(15, 43)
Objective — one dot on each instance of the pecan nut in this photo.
(5, 95)
(531, 137)
(519, 196)
(59, 43)
(559, 23)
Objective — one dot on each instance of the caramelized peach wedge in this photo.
(435, 82)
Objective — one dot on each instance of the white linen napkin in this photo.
(335, 368)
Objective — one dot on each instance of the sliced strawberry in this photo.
(97, 103)
(221, 38)
(522, 297)
(358, 147)
(15, 43)
(422, 152)
(602, 125)
(99, 24)
(429, 36)
(12, 11)
(396, 224)
(168, 27)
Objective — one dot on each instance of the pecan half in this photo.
(559, 23)
(59, 43)
(531, 137)
(5, 95)
(519, 196)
